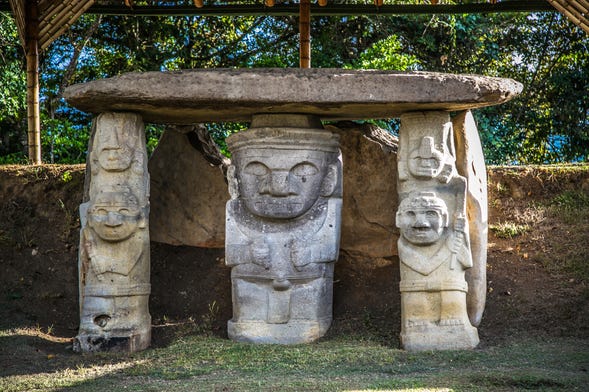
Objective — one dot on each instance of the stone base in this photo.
(439, 337)
(293, 332)
(120, 342)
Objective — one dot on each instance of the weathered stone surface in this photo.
(470, 163)
(192, 96)
(282, 229)
(370, 183)
(188, 192)
(434, 247)
(114, 239)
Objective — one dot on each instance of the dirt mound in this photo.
(537, 272)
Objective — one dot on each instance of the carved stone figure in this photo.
(282, 230)
(117, 152)
(114, 241)
(434, 246)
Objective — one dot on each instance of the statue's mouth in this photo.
(280, 206)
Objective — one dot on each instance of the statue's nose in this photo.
(421, 221)
(113, 219)
(279, 184)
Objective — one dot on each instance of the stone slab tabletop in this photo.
(206, 95)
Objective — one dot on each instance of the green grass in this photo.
(200, 363)
(509, 229)
(571, 206)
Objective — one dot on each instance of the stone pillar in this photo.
(434, 246)
(470, 163)
(283, 229)
(114, 239)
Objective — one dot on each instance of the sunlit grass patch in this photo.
(67, 377)
(509, 229)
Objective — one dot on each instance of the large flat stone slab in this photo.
(203, 95)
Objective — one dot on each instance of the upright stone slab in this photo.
(114, 239)
(283, 229)
(470, 163)
(434, 246)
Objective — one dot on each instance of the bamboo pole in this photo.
(305, 34)
(32, 54)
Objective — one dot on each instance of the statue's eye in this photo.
(101, 212)
(124, 211)
(431, 214)
(410, 214)
(304, 169)
(256, 169)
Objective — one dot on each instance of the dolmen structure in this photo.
(284, 201)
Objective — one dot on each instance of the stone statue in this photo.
(434, 246)
(282, 233)
(436, 258)
(114, 240)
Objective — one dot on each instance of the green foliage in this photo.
(66, 177)
(220, 131)
(12, 94)
(12, 77)
(153, 132)
(548, 54)
(64, 142)
(386, 54)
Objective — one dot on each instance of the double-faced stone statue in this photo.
(282, 229)
(114, 240)
(434, 246)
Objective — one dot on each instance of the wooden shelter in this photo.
(40, 22)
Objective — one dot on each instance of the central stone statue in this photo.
(282, 229)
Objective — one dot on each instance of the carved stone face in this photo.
(422, 219)
(114, 150)
(426, 161)
(281, 183)
(115, 216)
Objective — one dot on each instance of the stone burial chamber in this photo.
(288, 201)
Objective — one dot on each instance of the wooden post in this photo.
(32, 54)
(305, 34)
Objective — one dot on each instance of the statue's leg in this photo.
(114, 239)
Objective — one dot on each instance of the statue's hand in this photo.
(299, 255)
(261, 254)
(460, 224)
(458, 242)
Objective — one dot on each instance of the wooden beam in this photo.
(331, 9)
(17, 7)
(59, 17)
(305, 34)
(32, 54)
(575, 11)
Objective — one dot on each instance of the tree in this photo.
(548, 54)
(12, 93)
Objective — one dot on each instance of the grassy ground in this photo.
(354, 363)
